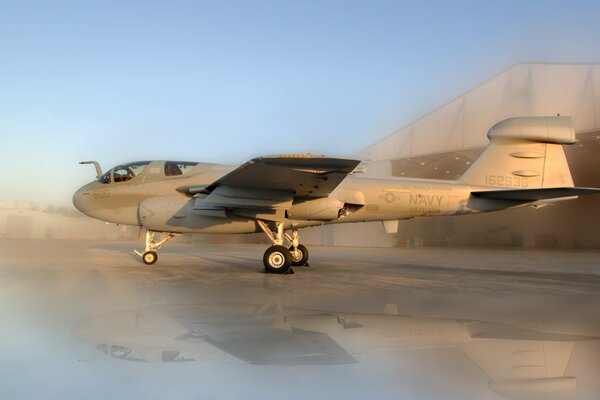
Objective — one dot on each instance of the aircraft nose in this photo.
(81, 199)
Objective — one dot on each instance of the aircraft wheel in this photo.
(299, 257)
(277, 259)
(149, 257)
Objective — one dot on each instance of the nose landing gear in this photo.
(149, 256)
(278, 259)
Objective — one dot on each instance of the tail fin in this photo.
(525, 152)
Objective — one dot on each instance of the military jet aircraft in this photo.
(523, 165)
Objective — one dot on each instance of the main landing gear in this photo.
(149, 255)
(278, 259)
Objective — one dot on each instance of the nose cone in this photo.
(82, 199)
(98, 201)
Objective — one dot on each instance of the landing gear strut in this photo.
(149, 256)
(278, 259)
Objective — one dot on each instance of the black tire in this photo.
(149, 257)
(303, 260)
(277, 259)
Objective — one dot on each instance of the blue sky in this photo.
(225, 81)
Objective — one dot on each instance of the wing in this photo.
(261, 339)
(281, 347)
(302, 174)
(271, 183)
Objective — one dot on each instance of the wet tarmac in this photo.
(74, 312)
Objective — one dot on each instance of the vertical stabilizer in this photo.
(525, 152)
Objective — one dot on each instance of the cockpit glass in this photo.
(174, 168)
(105, 178)
(125, 172)
(137, 167)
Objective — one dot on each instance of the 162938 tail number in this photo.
(502, 180)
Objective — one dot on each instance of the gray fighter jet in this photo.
(523, 165)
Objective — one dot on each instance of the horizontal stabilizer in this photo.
(490, 330)
(527, 195)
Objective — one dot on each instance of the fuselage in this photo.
(154, 199)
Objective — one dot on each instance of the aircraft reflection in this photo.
(521, 363)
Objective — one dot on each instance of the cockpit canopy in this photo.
(126, 172)
(174, 168)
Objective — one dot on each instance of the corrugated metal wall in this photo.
(367, 234)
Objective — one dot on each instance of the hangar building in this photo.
(443, 143)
